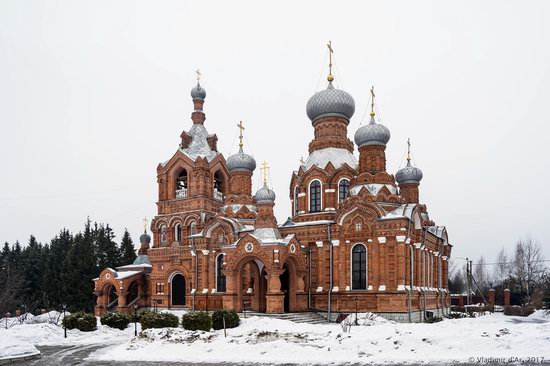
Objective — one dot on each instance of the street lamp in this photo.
(64, 321)
(135, 320)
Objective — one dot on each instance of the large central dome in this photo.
(330, 102)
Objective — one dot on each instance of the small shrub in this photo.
(232, 319)
(150, 319)
(81, 321)
(116, 320)
(519, 310)
(199, 320)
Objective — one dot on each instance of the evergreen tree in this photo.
(108, 254)
(31, 267)
(127, 251)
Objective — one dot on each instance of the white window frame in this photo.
(309, 195)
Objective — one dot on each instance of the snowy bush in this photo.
(199, 320)
(81, 321)
(232, 319)
(519, 310)
(366, 319)
(115, 320)
(150, 319)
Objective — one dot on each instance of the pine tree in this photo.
(127, 251)
(32, 267)
(108, 254)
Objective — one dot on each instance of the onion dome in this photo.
(241, 162)
(145, 238)
(372, 134)
(265, 195)
(330, 102)
(409, 174)
(198, 92)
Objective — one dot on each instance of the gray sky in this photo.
(93, 95)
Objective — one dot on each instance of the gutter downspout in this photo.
(330, 272)
(424, 276)
(411, 259)
(308, 251)
(196, 271)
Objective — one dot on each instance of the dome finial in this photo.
(241, 129)
(330, 78)
(408, 151)
(265, 172)
(145, 224)
(372, 101)
(198, 77)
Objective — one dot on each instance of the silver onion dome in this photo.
(145, 238)
(330, 102)
(372, 134)
(198, 92)
(265, 195)
(241, 162)
(409, 174)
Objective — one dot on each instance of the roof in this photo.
(438, 231)
(373, 188)
(290, 223)
(403, 211)
(336, 156)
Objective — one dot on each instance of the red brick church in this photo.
(358, 235)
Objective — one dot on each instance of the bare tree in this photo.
(528, 266)
(480, 275)
(503, 268)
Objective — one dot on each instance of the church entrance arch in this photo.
(177, 291)
(112, 298)
(252, 285)
(285, 287)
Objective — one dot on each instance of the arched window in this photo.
(177, 232)
(181, 184)
(343, 188)
(163, 236)
(295, 200)
(220, 277)
(192, 228)
(315, 196)
(218, 186)
(359, 267)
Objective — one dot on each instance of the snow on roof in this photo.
(125, 274)
(437, 231)
(237, 206)
(403, 211)
(336, 156)
(267, 235)
(306, 223)
(373, 188)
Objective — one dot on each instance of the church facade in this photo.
(358, 239)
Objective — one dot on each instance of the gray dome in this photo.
(198, 92)
(145, 238)
(372, 134)
(330, 102)
(409, 174)
(265, 195)
(241, 162)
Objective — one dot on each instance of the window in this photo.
(359, 267)
(192, 228)
(220, 277)
(177, 232)
(163, 238)
(181, 184)
(315, 196)
(343, 188)
(296, 200)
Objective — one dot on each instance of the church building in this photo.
(358, 236)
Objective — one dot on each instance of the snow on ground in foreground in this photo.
(11, 347)
(268, 340)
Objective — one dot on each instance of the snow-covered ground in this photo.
(23, 335)
(268, 340)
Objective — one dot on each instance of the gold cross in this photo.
(330, 52)
(198, 76)
(241, 129)
(302, 160)
(372, 101)
(145, 223)
(265, 171)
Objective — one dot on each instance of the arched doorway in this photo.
(285, 287)
(112, 298)
(177, 293)
(252, 285)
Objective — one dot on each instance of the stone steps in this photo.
(305, 317)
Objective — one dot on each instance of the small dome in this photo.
(330, 102)
(241, 162)
(145, 238)
(198, 92)
(372, 134)
(265, 195)
(409, 174)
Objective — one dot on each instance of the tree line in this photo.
(525, 272)
(60, 272)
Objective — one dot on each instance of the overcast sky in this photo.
(94, 94)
